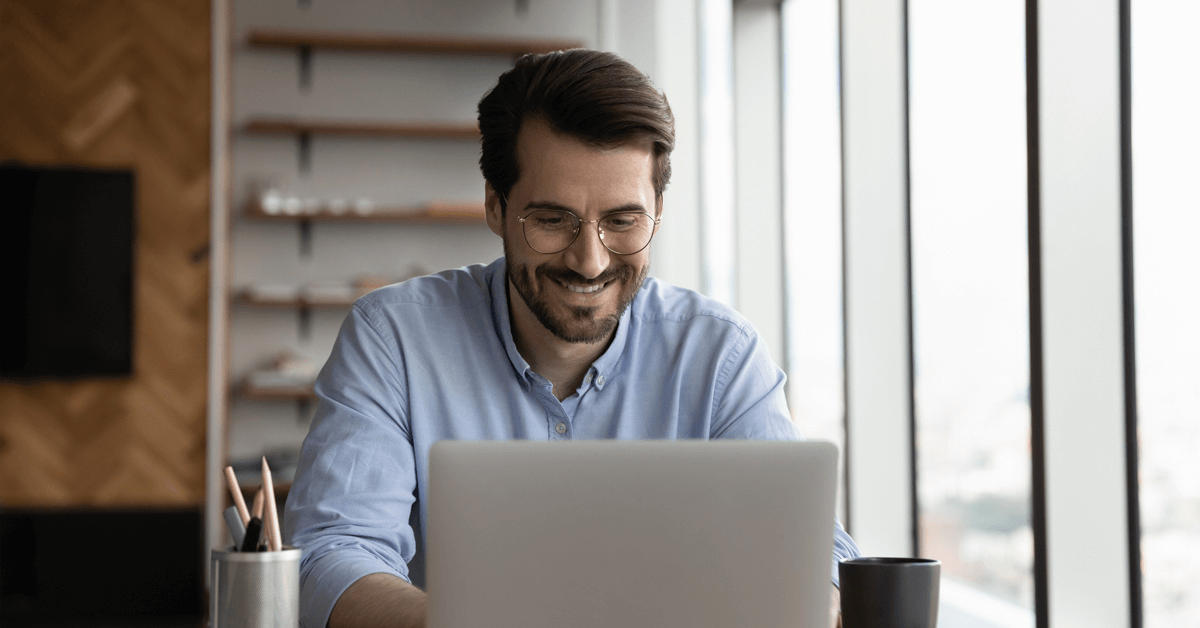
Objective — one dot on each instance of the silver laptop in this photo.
(630, 534)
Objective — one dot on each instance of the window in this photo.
(716, 147)
(813, 219)
(1166, 221)
(970, 303)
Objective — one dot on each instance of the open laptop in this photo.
(630, 534)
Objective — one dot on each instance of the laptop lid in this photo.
(604, 534)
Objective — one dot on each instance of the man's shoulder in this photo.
(468, 287)
(659, 301)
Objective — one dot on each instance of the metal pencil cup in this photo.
(255, 589)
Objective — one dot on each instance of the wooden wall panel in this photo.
(118, 83)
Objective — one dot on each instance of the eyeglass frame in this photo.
(599, 232)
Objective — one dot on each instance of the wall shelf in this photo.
(384, 42)
(248, 298)
(301, 126)
(277, 393)
(431, 213)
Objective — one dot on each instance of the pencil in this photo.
(272, 515)
(236, 492)
(257, 511)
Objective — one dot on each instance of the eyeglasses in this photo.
(553, 230)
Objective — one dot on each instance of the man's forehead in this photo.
(551, 161)
(535, 134)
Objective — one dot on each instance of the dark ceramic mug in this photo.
(889, 592)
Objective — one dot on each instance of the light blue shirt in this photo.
(433, 358)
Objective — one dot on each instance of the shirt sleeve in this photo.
(750, 404)
(349, 506)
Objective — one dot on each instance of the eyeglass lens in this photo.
(552, 230)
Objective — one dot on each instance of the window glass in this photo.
(1166, 219)
(970, 304)
(813, 219)
(718, 227)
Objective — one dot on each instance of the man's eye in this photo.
(550, 221)
(621, 222)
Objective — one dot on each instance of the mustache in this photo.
(566, 275)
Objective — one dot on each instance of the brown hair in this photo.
(594, 96)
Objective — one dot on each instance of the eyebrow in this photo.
(628, 207)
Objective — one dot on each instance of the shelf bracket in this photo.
(305, 227)
(304, 152)
(305, 68)
(304, 321)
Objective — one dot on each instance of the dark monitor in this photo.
(66, 250)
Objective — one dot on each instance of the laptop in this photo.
(630, 534)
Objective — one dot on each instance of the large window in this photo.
(718, 221)
(813, 219)
(1166, 215)
(970, 303)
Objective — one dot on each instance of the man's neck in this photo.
(563, 363)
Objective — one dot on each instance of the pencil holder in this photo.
(255, 589)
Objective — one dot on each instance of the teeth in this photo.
(584, 289)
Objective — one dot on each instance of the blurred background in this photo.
(195, 191)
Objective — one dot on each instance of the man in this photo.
(562, 338)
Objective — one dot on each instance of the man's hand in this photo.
(379, 600)
(835, 608)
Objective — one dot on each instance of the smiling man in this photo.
(563, 338)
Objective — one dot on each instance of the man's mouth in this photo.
(582, 289)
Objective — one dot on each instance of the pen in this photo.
(237, 529)
(253, 535)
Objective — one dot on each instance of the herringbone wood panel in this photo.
(118, 83)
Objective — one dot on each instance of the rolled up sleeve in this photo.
(349, 506)
(752, 405)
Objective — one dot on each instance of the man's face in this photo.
(577, 294)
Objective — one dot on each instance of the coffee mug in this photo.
(889, 592)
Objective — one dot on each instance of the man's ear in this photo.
(491, 210)
(657, 214)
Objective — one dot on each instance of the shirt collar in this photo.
(601, 370)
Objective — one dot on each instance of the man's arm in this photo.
(354, 491)
(754, 407)
(835, 609)
(377, 601)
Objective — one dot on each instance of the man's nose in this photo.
(587, 254)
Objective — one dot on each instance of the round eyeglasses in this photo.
(553, 230)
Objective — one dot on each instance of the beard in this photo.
(573, 323)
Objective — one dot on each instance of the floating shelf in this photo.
(278, 393)
(290, 303)
(384, 42)
(299, 126)
(432, 213)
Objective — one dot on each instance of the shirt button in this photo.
(561, 428)
(587, 379)
(600, 381)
